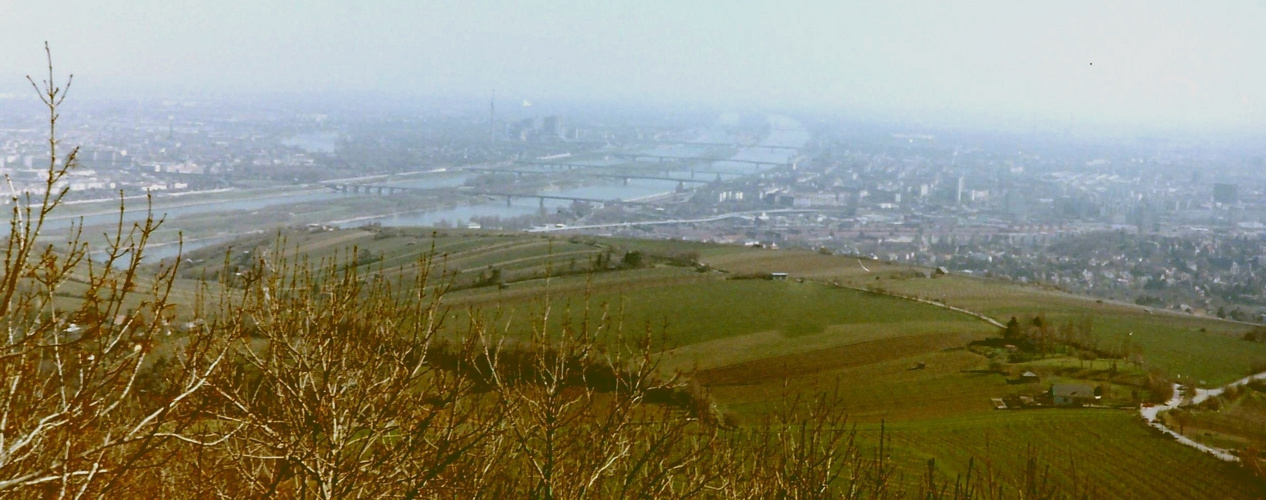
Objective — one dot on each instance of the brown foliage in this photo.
(76, 422)
(312, 381)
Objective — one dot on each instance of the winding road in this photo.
(1152, 414)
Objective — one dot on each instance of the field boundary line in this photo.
(942, 305)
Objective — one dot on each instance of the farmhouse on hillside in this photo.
(1073, 394)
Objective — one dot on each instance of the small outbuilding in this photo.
(1073, 394)
(1029, 377)
(778, 276)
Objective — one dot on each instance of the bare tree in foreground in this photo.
(301, 380)
(78, 334)
(337, 387)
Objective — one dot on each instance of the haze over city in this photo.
(617, 249)
(1126, 65)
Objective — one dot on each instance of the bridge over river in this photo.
(389, 190)
(624, 177)
(699, 159)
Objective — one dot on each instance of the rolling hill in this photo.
(911, 351)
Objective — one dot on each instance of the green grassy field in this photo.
(1112, 449)
(720, 309)
(750, 343)
(1234, 421)
(1205, 351)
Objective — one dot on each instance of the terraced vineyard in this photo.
(839, 322)
(1110, 450)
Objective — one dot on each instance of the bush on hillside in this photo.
(302, 381)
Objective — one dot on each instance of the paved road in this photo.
(671, 221)
(1151, 415)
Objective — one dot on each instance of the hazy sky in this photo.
(1201, 63)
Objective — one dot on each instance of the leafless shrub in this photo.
(331, 394)
(74, 418)
(984, 481)
(312, 380)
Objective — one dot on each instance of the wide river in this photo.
(783, 132)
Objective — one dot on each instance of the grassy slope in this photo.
(1197, 348)
(751, 341)
(1235, 423)
(1120, 456)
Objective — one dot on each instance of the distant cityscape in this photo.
(1152, 222)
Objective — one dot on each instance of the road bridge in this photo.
(370, 188)
(543, 197)
(558, 164)
(661, 158)
(388, 190)
(720, 144)
(623, 177)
